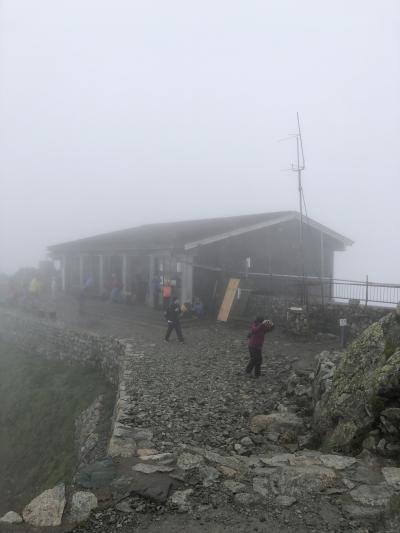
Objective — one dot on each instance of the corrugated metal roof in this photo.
(178, 235)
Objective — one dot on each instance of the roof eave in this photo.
(294, 215)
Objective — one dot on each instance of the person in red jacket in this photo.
(256, 340)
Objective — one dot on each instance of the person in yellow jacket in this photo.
(34, 290)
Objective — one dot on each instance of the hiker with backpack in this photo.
(173, 315)
(256, 340)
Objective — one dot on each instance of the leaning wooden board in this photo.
(229, 297)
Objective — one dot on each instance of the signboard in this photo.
(229, 297)
(342, 322)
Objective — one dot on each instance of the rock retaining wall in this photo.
(320, 319)
(359, 317)
(53, 341)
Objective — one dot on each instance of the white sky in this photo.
(118, 113)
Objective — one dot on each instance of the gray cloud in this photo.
(114, 114)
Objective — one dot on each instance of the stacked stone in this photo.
(53, 341)
(297, 321)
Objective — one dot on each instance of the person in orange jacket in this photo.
(167, 293)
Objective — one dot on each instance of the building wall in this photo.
(272, 250)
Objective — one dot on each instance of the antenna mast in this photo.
(301, 165)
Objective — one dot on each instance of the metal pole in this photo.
(343, 328)
(366, 292)
(322, 269)
(301, 218)
(299, 146)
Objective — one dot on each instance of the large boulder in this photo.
(47, 508)
(284, 423)
(82, 503)
(359, 392)
(11, 518)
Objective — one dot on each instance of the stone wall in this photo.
(321, 319)
(114, 357)
(52, 340)
(359, 317)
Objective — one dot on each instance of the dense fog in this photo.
(115, 114)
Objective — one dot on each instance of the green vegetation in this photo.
(40, 400)
(365, 382)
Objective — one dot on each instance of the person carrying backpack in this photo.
(173, 314)
(256, 340)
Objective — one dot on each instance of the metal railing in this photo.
(316, 290)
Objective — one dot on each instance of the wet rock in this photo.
(278, 460)
(11, 518)
(179, 500)
(227, 472)
(142, 434)
(245, 499)
(262, 486)
(373, 495)
(285, 501)
(209, 475)
(82, 503)
(370, 443)
(145, 452)
(279, 422)
(125, 507)
(159, 458)
(147, 468)
(96, 475)
(155, 487)
(239, 449)
(306, 441)
(392, 476)
(47, 508)
(234, 486)
(296, 481)
(361, 513)
(188, 461)
(381, 447)
(234, 463)
(122, 446)
(338, 462)
(247, 442)
(367, 474)
(348, 483)
(272, 436)
(392, 414)
(305, 459)
(292, 382)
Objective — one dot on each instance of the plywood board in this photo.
(229, 297)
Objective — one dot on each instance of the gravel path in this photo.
(197, 393)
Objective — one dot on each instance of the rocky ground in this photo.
(196, 409)
(216, 451)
